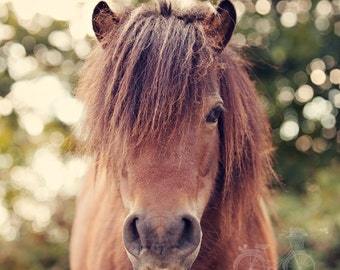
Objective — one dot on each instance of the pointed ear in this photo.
(103, 20)
(220, 26)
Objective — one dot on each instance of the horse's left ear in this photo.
(103, 20)
(220, 26)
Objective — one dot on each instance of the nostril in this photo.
(181, 236)
(191, 234)
(187, 233)
(131, 236)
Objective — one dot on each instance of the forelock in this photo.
(150, 78)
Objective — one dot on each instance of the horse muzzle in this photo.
(162, 242)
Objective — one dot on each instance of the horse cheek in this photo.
(126, 192)
(208, 169)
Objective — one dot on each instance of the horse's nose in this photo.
(162, 238)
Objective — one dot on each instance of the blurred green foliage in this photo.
(295, 48)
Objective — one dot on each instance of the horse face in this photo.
(165, 192)
(165, 187)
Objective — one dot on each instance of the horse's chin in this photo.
(174, 262)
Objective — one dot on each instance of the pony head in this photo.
(173, 120)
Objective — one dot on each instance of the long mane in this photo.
(151, 77)
(148, 82)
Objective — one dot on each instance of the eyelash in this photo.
(214, 115)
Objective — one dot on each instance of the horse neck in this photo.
(222, 238)
(215, 240)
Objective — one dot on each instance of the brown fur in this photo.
(145, 90)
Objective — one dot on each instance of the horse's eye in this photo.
(214, 114)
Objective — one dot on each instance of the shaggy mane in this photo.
(153, 72)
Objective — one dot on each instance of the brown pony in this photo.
(181, 148)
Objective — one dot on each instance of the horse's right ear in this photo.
(220, 26)
(103, 20)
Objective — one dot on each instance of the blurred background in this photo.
(295, 48)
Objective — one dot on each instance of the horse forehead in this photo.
(162, 170)
(177, 152)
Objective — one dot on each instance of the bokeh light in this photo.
(304, 143)
(317, 109)
(285, 95)
(304, 94)
(289, 130)
(263, 7)
(318, 76)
